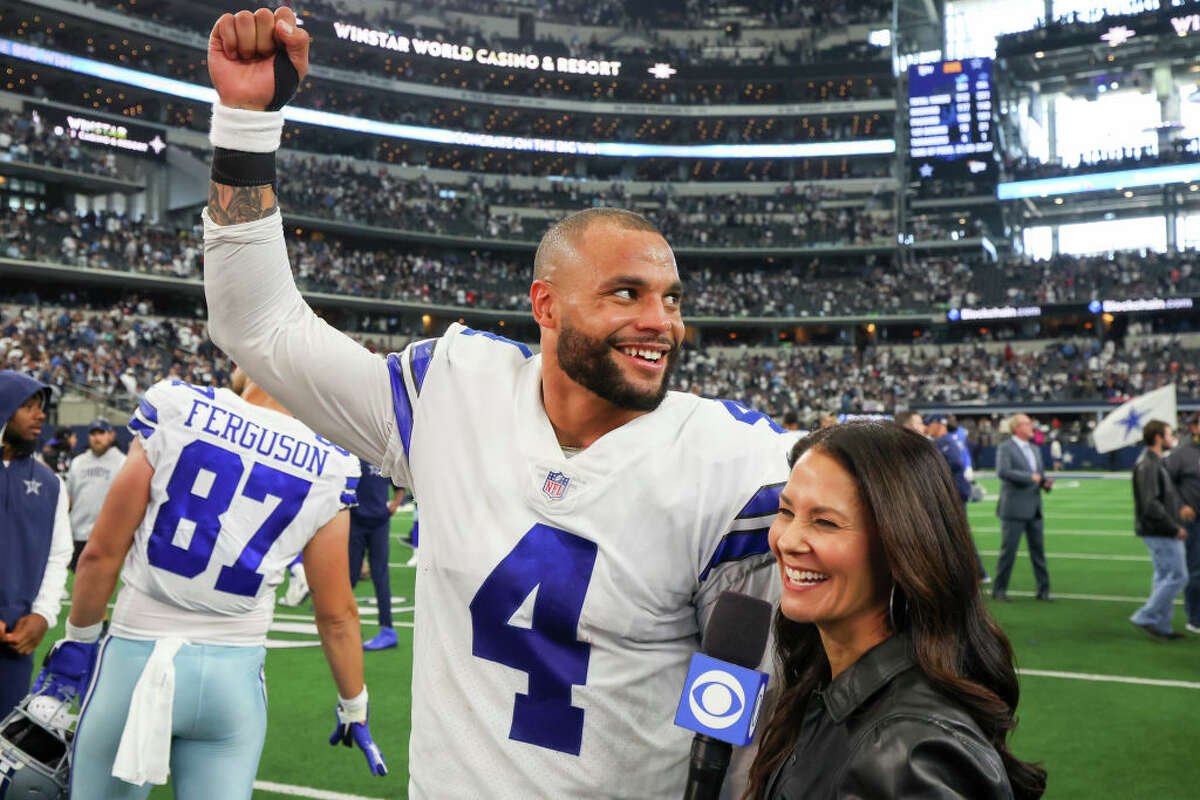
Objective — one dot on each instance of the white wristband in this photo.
(248, 131)
(86, 634)
(355, 707)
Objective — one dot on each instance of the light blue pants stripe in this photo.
(218, 723)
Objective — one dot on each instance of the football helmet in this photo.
(35, 749)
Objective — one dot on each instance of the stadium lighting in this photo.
(1118, 36)
(203, 94)
(1097, 182)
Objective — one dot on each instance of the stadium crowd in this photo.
(25, 138)
(1181, 151)
(792, 217)
(762, 82)
(813, 380)
(644, 20)
(113, 353)
(117, 350)
(472, 278)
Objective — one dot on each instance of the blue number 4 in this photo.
(204, 512)
(558, 565)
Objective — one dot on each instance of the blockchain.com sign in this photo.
(453, 51)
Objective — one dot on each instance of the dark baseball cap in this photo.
(100, 424)
(935, 418)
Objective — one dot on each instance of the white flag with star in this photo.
(1123, 427)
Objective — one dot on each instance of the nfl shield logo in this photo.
(555, 486)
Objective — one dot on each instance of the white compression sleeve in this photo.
(256, 314)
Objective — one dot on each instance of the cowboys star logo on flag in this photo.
(555, 486)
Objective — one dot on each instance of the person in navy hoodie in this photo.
(370, 528)
(35, 535)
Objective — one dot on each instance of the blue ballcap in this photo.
(100, 424)
(935, 418)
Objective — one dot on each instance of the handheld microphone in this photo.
(723, 692)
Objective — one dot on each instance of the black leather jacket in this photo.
(1155, 503)
(880, 730)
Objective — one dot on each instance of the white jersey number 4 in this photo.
(559, 566)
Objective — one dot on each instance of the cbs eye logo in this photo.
(716, 699)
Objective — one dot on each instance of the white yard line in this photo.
(1084, 676)
(1060, 532)
(1104, 598)
(307, 791)
(371, 612)
(1077, 556)
(1085, 514)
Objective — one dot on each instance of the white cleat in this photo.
(297, 591)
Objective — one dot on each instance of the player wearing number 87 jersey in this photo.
(217, 497)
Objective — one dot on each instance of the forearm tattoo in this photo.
(232, 205)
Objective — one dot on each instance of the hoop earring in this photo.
(892, 608)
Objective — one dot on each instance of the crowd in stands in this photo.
(800, 286)
(814, 380)
(112, 354)
(793, 217)
(1081, 279)
(684, 13)
(769, 81)
(23, 137)
(1083, 19)
(1181, 151)
(879, 285)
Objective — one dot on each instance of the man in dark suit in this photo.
(1019, 468)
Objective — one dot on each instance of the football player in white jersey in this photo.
(217, 496)
(578, 520)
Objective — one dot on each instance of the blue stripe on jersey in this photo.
(764, 502)
(148, 411)
(137, 426)
(525, 351)
(350, 492)
(422, 354)
(400, 401)
(738, 545)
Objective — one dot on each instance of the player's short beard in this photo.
(592, 363)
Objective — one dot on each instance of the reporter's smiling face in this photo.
(623, 324)
(831, 564)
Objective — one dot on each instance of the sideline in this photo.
(1077, 556)
(1061, 532)
(306, 791)
(1084, 676)
(1102, 598)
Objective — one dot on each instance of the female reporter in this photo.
(896, 682)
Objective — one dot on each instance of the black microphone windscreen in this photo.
(738, 629)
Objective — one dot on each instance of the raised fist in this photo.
(241, 56)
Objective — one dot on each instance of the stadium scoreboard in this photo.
(950, 119)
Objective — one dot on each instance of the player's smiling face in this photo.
(622, 323)
(830, 562)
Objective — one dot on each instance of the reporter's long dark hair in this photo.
(905, 485)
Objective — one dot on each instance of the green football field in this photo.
(1110, 712)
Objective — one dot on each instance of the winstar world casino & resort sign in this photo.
(390, 40)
